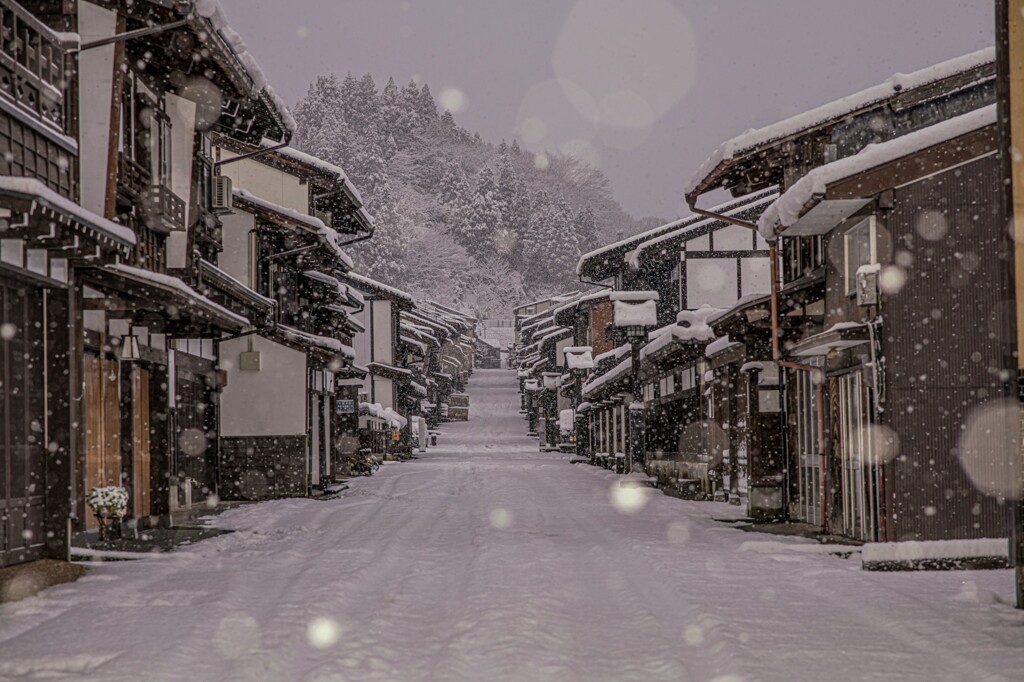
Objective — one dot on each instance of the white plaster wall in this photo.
(382, 342)
(384, 392)
(559, 348)
(270, 402)
(182, 114)
(267, 183)
(96, 73)
(234, 259)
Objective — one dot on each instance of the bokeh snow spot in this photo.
(238, 636)
(453, 99)
(7, 331)
(678, 532)
(693, 635)
(501, 518)
(988, 448)
(323, 632)
(627, 497)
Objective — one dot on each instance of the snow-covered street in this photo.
(487, 560)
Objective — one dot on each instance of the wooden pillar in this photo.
(60, 433)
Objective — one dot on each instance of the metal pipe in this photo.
(137, 33)
(773, 257)
(718, 216)
(597, 284)
(248, 155)
(292, 252)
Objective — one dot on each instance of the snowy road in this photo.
(486, 560)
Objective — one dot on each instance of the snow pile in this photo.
(718, 345)
(566, 419)
(936, 550)
(635, 308)
(690, 326)
(837, 110)
(812, 187)
(579, 357)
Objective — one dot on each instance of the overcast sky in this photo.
(645, 89)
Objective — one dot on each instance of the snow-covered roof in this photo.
(837, 110)
(328, 280)
(691, 325)
(373, 286)
(321, 342)
(212, 11)
(620, 351)
(695, 228)
(730, 208)
(788, 208)
(169, 282)
(315, 162)
(38, 192)
(409, 341)
(611, 375)
(328, 235)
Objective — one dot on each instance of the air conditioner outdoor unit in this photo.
(867, 286)
(222, 197)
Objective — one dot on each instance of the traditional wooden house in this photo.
(46, 234)
(389, 382)
(745, 407)
(302, 353)
(151, 376)
(690, 262)
(891, 331)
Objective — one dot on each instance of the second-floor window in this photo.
(802, 256)
(859, 249)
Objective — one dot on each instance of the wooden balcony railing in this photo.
(32, 64)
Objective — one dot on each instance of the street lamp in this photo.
(552, 380)
(634, 313)
(531, 387)
(579, 360)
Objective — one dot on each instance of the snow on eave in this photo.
(788, 208)
(322, 342)
(318, 164)
(611, 375)
(731, 207)
(739, 304)
(170, 282)
(754, 139)
(634, 259)
(36, 191)
(328, 235)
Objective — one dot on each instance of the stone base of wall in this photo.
(262, 467)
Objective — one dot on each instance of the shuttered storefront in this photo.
(22, 424)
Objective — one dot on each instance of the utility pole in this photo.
(1010, 90)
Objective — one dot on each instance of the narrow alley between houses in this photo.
(485, 559)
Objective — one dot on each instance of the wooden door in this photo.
(141, 487)
(102, 425)
(22, 425)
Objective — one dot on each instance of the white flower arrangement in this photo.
(109, 501)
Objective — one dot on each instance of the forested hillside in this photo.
(458, 218)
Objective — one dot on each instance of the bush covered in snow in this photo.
(108, 502)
